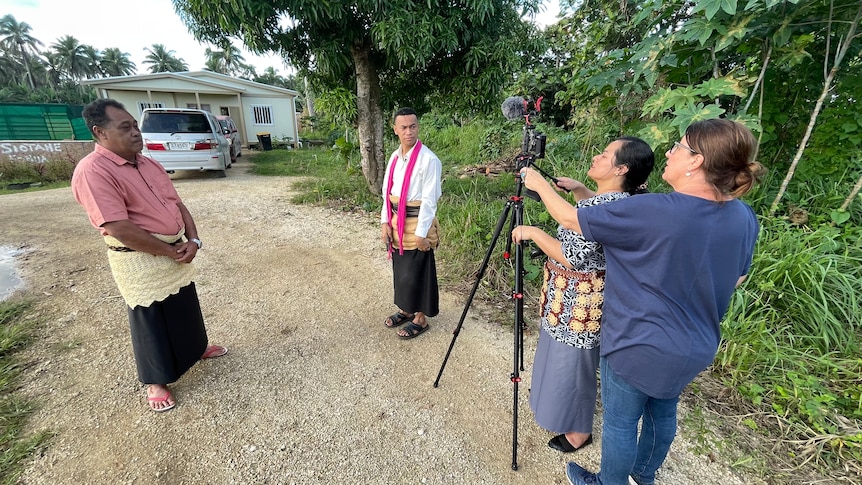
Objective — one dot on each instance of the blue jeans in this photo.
(623, 453)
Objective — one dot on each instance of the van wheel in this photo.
(221, 174)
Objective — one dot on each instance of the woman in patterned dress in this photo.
(563, 386)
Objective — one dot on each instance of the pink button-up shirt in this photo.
(111, 188)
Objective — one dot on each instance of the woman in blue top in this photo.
(563, 385)
(673, 262)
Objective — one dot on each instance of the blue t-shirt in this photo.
(673, 261)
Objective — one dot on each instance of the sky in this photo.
(133, 25)
(130, 25)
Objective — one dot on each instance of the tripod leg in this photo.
(518, 299)
(481, 273)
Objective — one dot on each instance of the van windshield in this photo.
(175, 123)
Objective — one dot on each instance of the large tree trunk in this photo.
(369, 118)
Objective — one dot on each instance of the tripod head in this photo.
(534, 142)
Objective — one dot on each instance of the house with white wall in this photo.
(254, 107)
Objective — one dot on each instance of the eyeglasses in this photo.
(677, 144)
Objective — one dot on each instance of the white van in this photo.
(185, 139)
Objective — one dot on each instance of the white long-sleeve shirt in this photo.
(424, 185)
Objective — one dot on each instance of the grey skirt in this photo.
(563, 386)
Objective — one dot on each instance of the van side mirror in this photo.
(226, 131)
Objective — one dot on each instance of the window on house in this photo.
(262, 115)
(204, 107)
(142, 105)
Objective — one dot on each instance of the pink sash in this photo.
(402, 201)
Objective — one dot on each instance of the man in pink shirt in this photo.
(151, 239)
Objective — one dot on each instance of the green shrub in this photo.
(791, 335)
(18, 172)
(55, 170)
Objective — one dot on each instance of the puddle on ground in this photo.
(9, 279)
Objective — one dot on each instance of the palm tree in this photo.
(71, 57)
(92, 58)
(53, 71)
(233, 59)
(215, 61)
(15, 38)
(8, 69)
(116, 63)
(162, 60)
(273, 78)
(229, 61)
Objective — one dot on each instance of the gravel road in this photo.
(315, 389)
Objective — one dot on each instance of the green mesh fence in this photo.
(20, 121)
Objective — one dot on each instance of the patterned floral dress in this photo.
(571, 302)
(563, 386)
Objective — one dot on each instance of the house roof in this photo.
(200, 81)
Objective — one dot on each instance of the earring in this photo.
(688, 174)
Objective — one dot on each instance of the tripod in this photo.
(515, 202)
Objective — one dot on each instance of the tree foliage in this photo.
(114, 63)
(388, 52)
(28, 74)
(15, 39)
(162, 59)
(653, 67)
(229, 61)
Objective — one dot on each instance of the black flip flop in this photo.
(413, 330)
(398, 319)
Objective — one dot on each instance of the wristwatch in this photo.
(197, 241)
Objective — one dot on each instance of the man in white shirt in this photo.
(409, 228)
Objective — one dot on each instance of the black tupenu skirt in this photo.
(168, 337)
(414, 275)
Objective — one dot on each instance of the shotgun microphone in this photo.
(514, 107)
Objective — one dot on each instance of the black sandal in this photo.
(413, 330)
(397, 319)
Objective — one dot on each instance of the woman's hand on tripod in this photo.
(522, 233)
(569, 184)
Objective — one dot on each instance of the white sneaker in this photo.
(632, 481)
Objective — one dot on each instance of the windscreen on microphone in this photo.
(514, 107)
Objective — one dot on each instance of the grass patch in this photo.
(34, 188)
(16, 448)
(330, 180)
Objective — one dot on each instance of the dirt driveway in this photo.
(314, 390)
